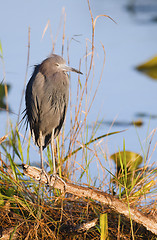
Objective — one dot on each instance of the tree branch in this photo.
(149, 222)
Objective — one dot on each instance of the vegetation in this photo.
(52, 215)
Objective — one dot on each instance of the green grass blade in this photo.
(91, 141)
(12, 234)
(19, 145)
(1, 50)
(50, 159)
(59, 159)
(104, 226)
(28, 148)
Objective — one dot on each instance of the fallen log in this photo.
(149, 222)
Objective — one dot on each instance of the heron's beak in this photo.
(66, 68)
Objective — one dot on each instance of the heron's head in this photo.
(60, 64)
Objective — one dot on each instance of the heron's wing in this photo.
(54, 102)
(33, 99)
(57, 96)
(46, 103)
(30, 98)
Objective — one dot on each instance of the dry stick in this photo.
(2, 139)
(48, 25)
(85, 86)
(75, 127)
(62, 18)
(87, 76)
(27, 65)
(5, 85)
(63, 131)
(115, 204)
(76, 116)
(4, 79)
(153, 132)
(8, 232)
(63, 37)
(70, 97)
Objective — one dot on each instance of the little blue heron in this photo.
(46, 98)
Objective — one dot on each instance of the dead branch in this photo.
(5, 235)
(78, 229)
(149, 222)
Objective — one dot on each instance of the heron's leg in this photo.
(41, 157)
(41, 150)
(53, 155)
(54, 164)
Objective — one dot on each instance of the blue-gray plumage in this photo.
(47, 95)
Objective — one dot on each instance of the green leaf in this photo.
(132, 159)
(2, 95)
(127, 164)
(149, 68)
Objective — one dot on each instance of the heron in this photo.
(46, 99)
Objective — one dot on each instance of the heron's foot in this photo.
(44, 174)
(54, 178)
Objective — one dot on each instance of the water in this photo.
(123, 92)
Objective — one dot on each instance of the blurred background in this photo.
(128, 90)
